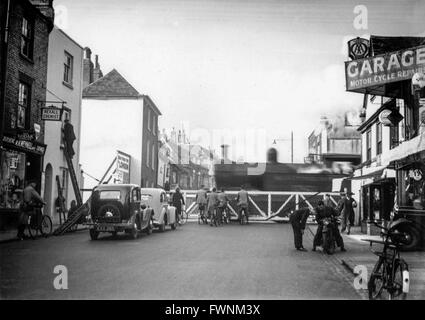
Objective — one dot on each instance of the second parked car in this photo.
(155, 203)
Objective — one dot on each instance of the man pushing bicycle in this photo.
(31, 202)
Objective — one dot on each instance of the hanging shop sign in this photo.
(390, 117)
(358, 48)
(386, 68)
(24, 145)
(384, 117)
(51, 113)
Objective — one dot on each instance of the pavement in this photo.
(9, 235)
(359, 253)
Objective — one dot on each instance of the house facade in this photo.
(116, 117)
(64, 90)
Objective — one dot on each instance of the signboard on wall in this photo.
(51, 114)
(386, 68)
(123, 167)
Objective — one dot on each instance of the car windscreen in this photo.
(110, 194)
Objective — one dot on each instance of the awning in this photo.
(382, 172)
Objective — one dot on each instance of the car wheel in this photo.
(134, 233)
(94, 234)
(162, 226)
(412, 237)
(149, 228)
(174, 226)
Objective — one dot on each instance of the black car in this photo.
(116, 208)
(413, 226)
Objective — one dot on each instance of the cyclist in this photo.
(178, 201)
(242, 201)
(201, 201)
(212, 205)
(31, 201)
(223, 200)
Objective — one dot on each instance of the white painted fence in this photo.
(265, 205)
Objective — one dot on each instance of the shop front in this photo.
(377, 201)
(21, 160)
(395, 69)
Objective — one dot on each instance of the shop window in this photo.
(149, 119)
(12, 177)
(24, 105)
(27, 37)
(412, 186)
(153, 157)
(378, 138)
(394, 136)
(368, 145)
(148, 147)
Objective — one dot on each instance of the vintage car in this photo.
(155, 202)
(116, 208)
(413, 226)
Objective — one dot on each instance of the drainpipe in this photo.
(4, 71)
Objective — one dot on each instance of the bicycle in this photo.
(390, 275)
(243, 215)
(183, 216)
(202, 219)
(213, 218)
(225, 215)
(37, 221)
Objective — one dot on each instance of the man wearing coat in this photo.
(347, 212)
(69, 137)
(298, 220)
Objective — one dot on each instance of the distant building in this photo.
(116, 117)
(64, 84)
(189, 166)
(336, 143)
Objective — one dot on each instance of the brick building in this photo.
(25, 28)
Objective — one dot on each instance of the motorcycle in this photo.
(328, 234)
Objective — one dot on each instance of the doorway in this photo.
(48, 188)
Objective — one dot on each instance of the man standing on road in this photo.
(201, 200)
(222, 204)
(322, 212)
(242, 202)
(347, 211)
(212, 205)
(178, 201)
(298, 219)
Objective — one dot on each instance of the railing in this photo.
(265, 205)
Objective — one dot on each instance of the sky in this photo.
(238, 72)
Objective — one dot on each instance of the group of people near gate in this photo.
(212, 204)
(324, 209)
